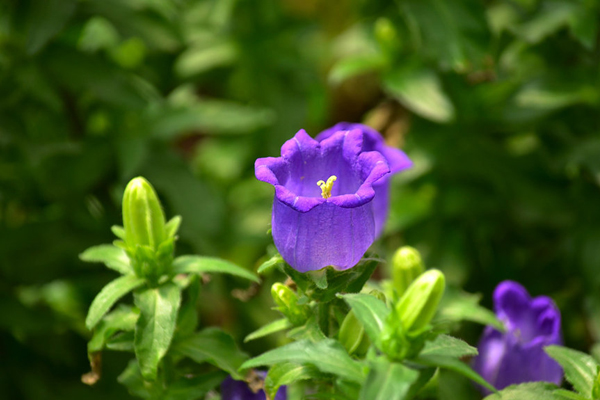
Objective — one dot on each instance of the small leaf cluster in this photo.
(160, 328)
(355, 342)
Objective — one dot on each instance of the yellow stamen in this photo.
(326, 186)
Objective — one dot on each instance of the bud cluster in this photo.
(404, 332)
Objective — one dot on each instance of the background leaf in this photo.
(199, 265)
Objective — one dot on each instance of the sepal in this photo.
(287, 302)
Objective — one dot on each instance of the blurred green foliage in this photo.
(497, 102)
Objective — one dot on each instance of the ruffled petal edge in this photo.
(373, 167)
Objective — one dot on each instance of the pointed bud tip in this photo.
(407, 265)
(143, 217)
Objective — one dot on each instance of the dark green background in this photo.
(497, 103)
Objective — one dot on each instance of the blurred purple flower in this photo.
(239, 390)
(323, 210)
(397, 161)
(517, 355)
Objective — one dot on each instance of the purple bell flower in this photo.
(397, 160)
(518, 356)
(323, 211)
(239, 390)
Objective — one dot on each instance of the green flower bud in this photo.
(148, 240)
(352, 335)
(419, 303)
(406, 267)
(287, 302)
(143, 217)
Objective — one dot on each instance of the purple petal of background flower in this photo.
(309, 231)
(239, 390)
(397, 160)
(517, 355)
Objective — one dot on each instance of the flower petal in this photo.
(373, 141)
(517, 355)
(511, 303)
(325, 235)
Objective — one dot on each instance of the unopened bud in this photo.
(352, 335)
(143, 217)
(418, 304)
(287, 302)
(406, 267)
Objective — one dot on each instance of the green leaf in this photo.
(121, 342)
(113, 257)
(452, 33)
(214, 346)
(172, 226)
(196, 60)
(98, 33)
(355, 65)
(118, 231)
(200, 265)
(580, 368)
(553, 15)
(420, 90)
(193, 388)
(584, 25)
(527, 391)
(370, 311)
(270, 264)
(388, 381)
(327, 355)
(319, 278)
(457, 305)
(121, 319)
(309, 331)
(567, 394)
(449, 346)
(268, 329)
(286, 373)
(455, 365)
(350, 281)
(156, 325)
(214, 116)
(109, 295)
(46, 20)
(452, 386)
(187, 320)
(132, 379)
